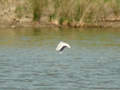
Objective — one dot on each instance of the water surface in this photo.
(28, 60)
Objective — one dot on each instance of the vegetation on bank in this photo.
(74, 13)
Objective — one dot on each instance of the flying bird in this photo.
(61, 46)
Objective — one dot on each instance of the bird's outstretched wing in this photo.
(62, 45)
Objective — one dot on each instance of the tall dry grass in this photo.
(80, 11)
(37, 8)
(85, 11)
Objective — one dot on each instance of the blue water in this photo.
(28, 60)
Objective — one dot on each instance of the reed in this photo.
(85, 11)
(79, 11)
(37, 8)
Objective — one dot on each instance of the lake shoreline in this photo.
(105, 24)
(83, 14)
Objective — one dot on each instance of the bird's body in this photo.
(61, 46)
